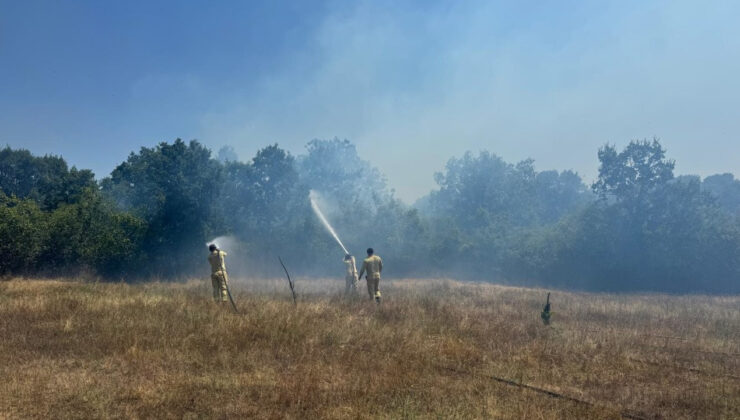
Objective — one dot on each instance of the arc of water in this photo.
(326, 223)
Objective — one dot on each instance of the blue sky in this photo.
(411, 83)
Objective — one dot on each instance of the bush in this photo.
(23, 232)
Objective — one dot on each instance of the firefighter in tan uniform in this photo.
(219, 278)
(350, 276)
(372, 265)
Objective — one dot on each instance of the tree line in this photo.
(638, 227)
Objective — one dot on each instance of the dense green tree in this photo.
(477, 191)
(649, 232)
(93, 234)
(47, 180)
(23, 232)
(631, 175)
(264, 203)
(559, 193)
(489, 219)
(174, 187)
(400, 233)
(354, 196)
(335, 169)
(726, 189)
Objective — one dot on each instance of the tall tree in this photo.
(47, 180)
(264, 197)
(726, 189)
(336, 170)
(23, 229)
(478, 191)
(93, 234)
(173, 187)
(559, 193)
(631, 175)
(650, 231)
(352, 193)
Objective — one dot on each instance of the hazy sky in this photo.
(411, 83)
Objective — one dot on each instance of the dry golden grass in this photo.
(431, 350)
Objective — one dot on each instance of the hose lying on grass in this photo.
(625, 413)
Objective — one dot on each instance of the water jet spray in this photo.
(312, 195)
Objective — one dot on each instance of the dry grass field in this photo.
(433, 349)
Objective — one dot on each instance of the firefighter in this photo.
(219, 278)
(372, 265)
(350, 276)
